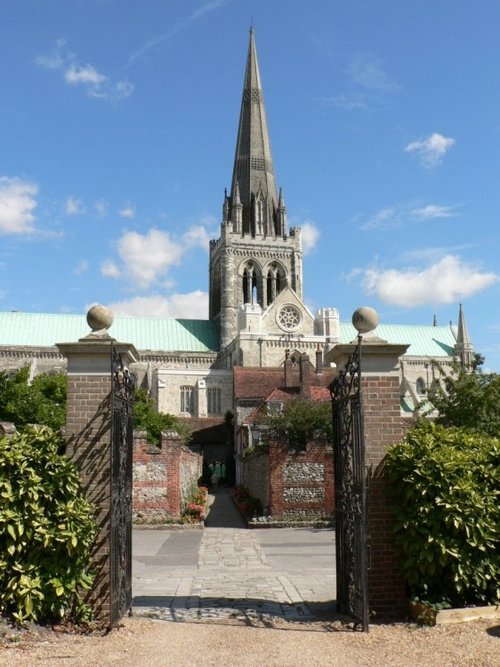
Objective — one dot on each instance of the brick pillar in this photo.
(278, 453)
(383, 426)
(88, 443)
(171, 445)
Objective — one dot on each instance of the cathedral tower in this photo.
(255, 257)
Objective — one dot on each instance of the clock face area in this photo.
(289, 318)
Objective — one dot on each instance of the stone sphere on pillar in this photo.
(365, 319)
(99, 317)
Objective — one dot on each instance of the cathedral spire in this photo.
(253, 172)
(463, 346)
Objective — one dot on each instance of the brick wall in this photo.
(88, 443)
(162, 477)
(292, 484)
(383, 426)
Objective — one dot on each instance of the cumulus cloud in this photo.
(74, 206)
(432, 149)
(149, 256)
(97, 84)
(310, 236)
(109, 269)
(448, 280)
(127, 211)
(197, 236)
(193, 305)
(17, 203)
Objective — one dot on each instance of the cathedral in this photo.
(258, 323)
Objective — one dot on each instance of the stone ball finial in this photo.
(365, 319)
(99, 317)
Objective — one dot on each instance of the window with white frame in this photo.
(187, 400)
(214, 400)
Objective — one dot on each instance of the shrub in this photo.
(447, 507)
(147, 418)
(41, 402)
(302, 420)
(47, 530)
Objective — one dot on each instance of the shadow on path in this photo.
(222, 512)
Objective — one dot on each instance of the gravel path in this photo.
(139, 642)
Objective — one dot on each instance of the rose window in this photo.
(289, 318)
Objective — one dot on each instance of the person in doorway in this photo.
(215, 481)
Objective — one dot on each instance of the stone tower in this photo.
(255, 257)
(463, 348)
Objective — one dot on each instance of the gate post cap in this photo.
(365, 319)
(99, 318)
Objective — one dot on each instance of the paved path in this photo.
(227, 571)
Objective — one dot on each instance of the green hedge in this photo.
(47, 529)
(446, 489)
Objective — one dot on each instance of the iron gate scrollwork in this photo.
(350, 492)
(122, 403)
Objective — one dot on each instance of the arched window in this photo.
(250, 285)
(187, 400)
(275, 282)
(421, 387)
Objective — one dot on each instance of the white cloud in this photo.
(448, 280)
(310, 236)
(17, 203)
(148, 257)
(431, 150)
(367, 72)
(193, 305)
(343, 101)
(101, 206)
(84, 74)
(432, 211)
(95, 83)
(197, 236)
(153, 42)
(387, 218)
(81, 267)
(127, 211)
(74, 206)
(110, 270)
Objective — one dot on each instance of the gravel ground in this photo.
(140, 642)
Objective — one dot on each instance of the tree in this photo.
(469, 400)
(147, 418)
(301, 421)
(41, 402)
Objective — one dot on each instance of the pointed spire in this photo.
(253, 164)
(463, 346)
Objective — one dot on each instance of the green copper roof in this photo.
(424, 341)
(150, 333)
(145, 333)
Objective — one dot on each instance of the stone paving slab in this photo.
(233, 572)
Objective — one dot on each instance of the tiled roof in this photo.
(145, 333)
(256, 382)
(424, 341)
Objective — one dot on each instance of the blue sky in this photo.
(118, 123)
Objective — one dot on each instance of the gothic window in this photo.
(289, 318)
(187, 400)
(249, 284)
(275, 281)
(214, 400)
(421, 388)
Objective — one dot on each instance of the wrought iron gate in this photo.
(122, 398)
(350, 492)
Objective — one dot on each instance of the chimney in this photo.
(319, 361)
(305, 367)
